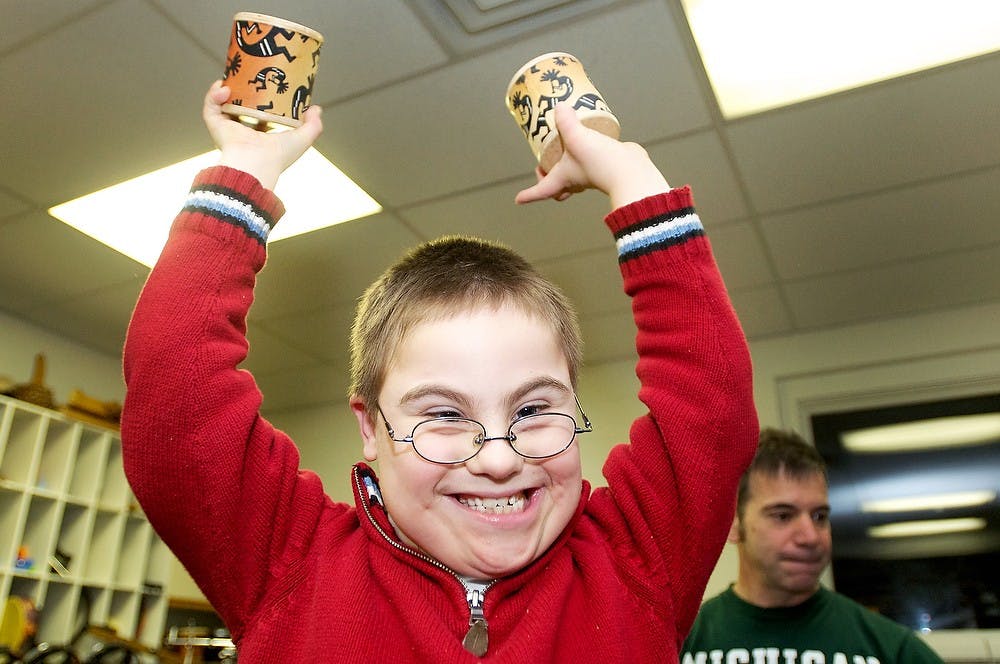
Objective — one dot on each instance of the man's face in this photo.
(783, 538)
(491, 366)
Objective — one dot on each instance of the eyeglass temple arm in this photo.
(587, 426)
(388, 427)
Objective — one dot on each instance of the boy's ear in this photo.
(367, 427)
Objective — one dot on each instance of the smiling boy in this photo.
(496, 512)
(478, 540)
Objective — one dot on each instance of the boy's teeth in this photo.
(506, 505)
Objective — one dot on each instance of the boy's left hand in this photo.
(265, 155)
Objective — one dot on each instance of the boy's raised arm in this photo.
(215, 479)
(672, 489)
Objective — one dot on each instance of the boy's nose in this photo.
(497, 459)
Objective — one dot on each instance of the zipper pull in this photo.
(477, 639)
(374, 495)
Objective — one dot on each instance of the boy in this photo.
(479, 541)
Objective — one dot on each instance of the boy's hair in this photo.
(441, 278)
(780, 452)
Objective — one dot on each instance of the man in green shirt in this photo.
(777, 612)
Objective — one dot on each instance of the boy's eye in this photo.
(438, 414)
(524, 411)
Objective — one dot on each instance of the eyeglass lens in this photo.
(449, 440)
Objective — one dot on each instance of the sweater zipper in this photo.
(476, 639)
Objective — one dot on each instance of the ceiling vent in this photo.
(470, 25)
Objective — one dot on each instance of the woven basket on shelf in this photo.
(35, 391)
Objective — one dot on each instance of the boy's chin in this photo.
(495, 569)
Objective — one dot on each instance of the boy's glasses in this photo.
(452, 440)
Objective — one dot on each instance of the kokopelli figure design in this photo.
(267, 45)
(562, 89)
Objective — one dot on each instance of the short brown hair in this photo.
(780, 451)
(438, 279)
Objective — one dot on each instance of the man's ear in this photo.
(368, 428)
(735, 534)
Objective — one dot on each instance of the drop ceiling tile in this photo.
(23, 20)
(762, 312)
(700, 161)
(454, 128)
(941, 216)
(43, 261)
(591, 280)
(91, 124)
(609, 337)
(741, 256)
(944, 281)
(636, 58)
(11, 206)
(98, 319)
(356, 38)
(538, 231)
(302, 387)
(322, 333)
(906, 130)
(329, 266)
(269, 353)
(470, 25)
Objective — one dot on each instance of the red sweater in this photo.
(300, 578)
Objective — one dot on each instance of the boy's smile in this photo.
(497, 512)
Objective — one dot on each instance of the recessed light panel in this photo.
(134, 217)
(763, 54)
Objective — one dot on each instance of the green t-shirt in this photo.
(828, 628)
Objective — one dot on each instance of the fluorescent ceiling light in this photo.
(770, 53)
(930, 527)
(941, 501)
(134, 217)
(936, 433)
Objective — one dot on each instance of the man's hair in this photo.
(442, 278)
(779, 452)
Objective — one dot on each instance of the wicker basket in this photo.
(35, 391)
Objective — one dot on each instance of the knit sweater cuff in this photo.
(654, 223)
(237, 198)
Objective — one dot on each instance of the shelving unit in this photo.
(63, 495)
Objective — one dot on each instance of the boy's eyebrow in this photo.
(421, 391)
(436, 390)
(538, 383)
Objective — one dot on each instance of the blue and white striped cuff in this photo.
(658, 233)
(227, 207)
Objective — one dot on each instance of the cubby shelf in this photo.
(66, 507)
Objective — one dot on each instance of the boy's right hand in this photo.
(591, 160)
(261, 154)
